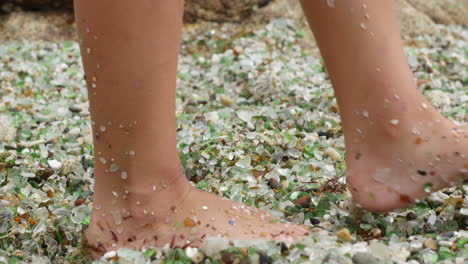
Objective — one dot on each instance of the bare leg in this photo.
(141, 196)
(399, 147)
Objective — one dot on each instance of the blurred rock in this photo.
(7, 130)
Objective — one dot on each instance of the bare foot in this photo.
(179, 215)
(394, 160)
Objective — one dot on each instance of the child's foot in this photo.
(403, 155)
(180, 215)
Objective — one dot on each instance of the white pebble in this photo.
(74, 132)
(109, 255)
(333, 154)
(54, 164)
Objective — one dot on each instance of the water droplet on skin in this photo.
(124, 175)
(115, 194)
(331, 3)
(137, 203)
(154, 188)
(367, 16)
(382, 174)
(378, 69)
(120, 229)
(88, 50)
(395, 122)
(364, 6)
(102, 160)
(359, 130)
(102, 128)
(95, 37)
(397, 97)
(204, 207)
(415, 131)
(88, 30)
(424, 105)
(363, 26)
(93, 85)
(131, 153)
(98, 66)
(113, 167)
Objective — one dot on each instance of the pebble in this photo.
(411, 216)
(326, 134)
(227, 258)
(225, 100)
(439, 98)
(79, 201)
(364, 258)
(430, 243)
(4, 203)
(333, 154)
(314, 221)
(264, 259)
(7, 129)
(334, 258)
(74, 109)
(448, 234)
(198, 257)
(45, 174)
(376, 233)
(273, 183)
(304, 201)
(283, 248)
(74, 132)
(54, 164)
(344, 234)
(109, 255)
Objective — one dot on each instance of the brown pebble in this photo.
(274, 184)
(45, 174)
(227, 258)
(344, 234)
(430, 243)
(411, 216)
(304, 201)
(226, 101)
(79, 201)
(376, 233)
